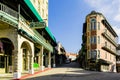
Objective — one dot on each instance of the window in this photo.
(88, 39)
(2, 62)
(110, 47)
(105, 30)
(98, 25)
(110, 56)
(46, 16)
(34, 1)
(47, 5)
(38, 6)
(114, 58)
(93, 40)
(89, 54)
(105, 44)
(93, 54)
(88, 27)
(93, 24)
(106, 55)
(98, 54)
(43, 13)
(98, 39)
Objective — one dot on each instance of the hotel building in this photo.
(99, 43)
(26, 43)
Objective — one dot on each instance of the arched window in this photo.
(93, 24)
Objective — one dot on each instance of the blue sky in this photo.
(66, 18)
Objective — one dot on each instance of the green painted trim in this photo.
(47, 29)
(40, 40)
(8, 19)
(29, 3)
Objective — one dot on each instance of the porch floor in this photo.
(9, 76)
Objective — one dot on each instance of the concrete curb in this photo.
(28, 75)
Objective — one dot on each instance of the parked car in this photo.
(67, 61)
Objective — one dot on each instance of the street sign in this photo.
(37, 25)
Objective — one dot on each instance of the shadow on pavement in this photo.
(69, 65)
(72, 73)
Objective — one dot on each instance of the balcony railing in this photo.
(107, 48)
(8, 10)
(109, 38)
(8, 15)
(118, 62)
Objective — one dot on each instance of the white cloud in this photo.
(117, 18)
(110, 9)
(107, 7)
(117, 29)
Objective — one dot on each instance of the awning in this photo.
(29, 3)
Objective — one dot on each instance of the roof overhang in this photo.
(108, 26)
(29, 4)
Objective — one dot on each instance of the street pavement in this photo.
(72, 71)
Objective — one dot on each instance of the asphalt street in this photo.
(72, 71)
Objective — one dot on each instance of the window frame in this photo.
(98, 25)
(93, 24)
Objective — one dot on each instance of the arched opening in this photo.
(6, 56)
(26, 56)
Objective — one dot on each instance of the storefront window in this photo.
(2, 61)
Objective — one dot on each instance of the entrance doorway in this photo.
(26, 53)
(6, 47)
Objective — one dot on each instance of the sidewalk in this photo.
(9, 76)
(32, 75)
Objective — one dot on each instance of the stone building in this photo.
(118, 59)
(26, 43)
(99, 43)
(61, 54)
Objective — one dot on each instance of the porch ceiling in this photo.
(3, 25)
(25, 11)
